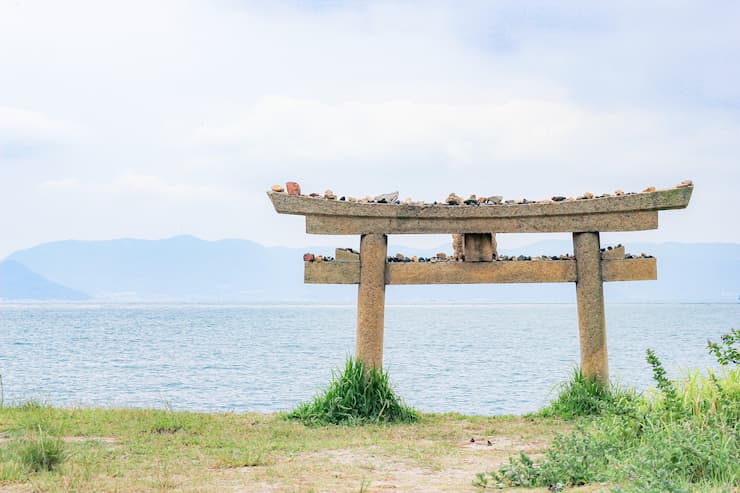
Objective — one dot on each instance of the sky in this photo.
(146, 119)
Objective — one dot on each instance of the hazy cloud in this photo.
(131, 184)
(24, 132)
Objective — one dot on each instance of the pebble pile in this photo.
(293, 188)
(606, 253)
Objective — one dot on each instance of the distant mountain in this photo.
(182, 268)
(17, 282)
(185, 268)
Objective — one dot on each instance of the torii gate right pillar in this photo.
(590, 298)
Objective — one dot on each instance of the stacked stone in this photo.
(608, 253)
(310, 257)
(439, 257)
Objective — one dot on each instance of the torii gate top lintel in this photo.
(477, 225)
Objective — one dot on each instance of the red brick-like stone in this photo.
(293, 188)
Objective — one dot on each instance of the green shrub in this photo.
(684, 437)
(355, 395)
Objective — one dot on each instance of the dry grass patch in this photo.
(127, 451)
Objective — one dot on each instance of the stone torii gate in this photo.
(584, 218)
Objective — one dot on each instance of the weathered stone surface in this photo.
(440, 272)
(613, 253)
(293, 188)
(590, 298)
(338, 225)
(371, 299)
(480, 272)
(458, 246)
(639, 269)
(346, 255)
(331, 273)
(478, 247)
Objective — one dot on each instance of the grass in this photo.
(581, 396)
(355, 396)
(682, 437)
(42, 452)
(123, 450)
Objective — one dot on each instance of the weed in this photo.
(665, 386)
(356, 395)
(42, 452)
(240, 457)
(725, 351)
(167, 421)
(164, 480)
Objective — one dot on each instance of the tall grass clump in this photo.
(356, 395)
(683, 437)
(582, 396)
(40, 452)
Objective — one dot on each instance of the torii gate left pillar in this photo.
(371, 299)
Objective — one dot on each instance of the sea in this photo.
(481, 359)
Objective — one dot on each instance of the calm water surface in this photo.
(473, 359)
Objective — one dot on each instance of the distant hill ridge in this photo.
(17, 282)
(185, 268)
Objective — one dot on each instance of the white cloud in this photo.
(132, 184)
(280, 128)
(512, 129)
(25, 128)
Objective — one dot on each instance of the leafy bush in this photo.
(355, 395)
(686, 437)
(725, 351)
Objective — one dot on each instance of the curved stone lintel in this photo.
(674, 198)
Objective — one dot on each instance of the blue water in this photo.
(473, 359)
